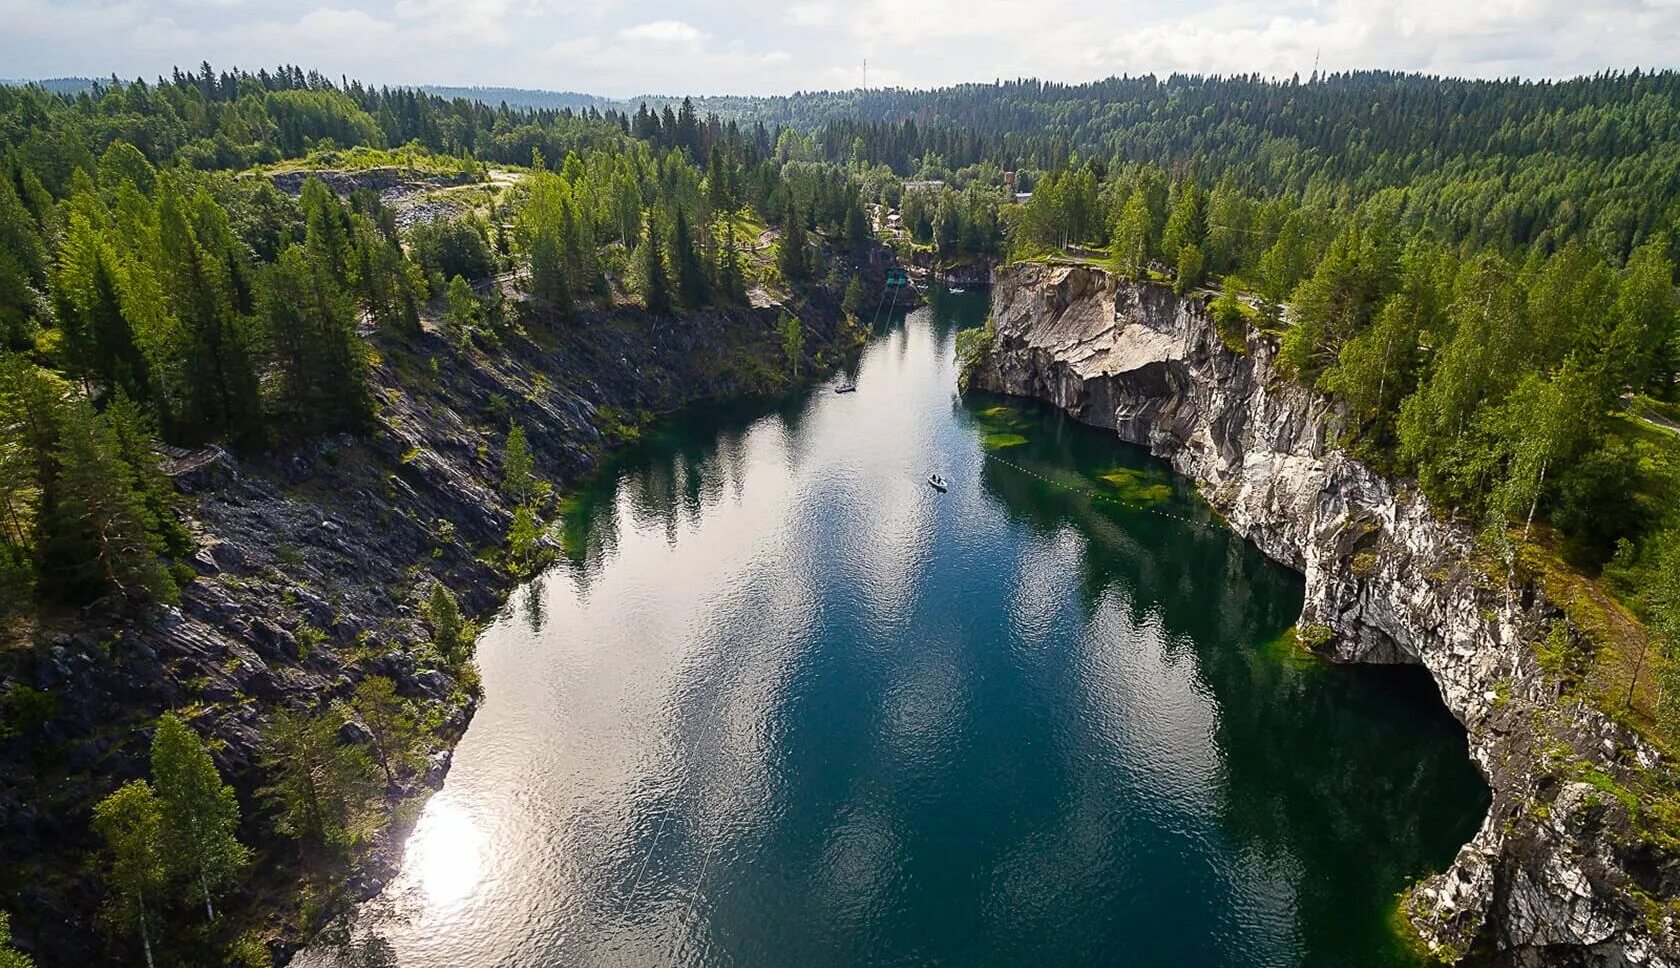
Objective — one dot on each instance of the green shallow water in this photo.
(787, 705)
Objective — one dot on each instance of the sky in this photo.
(619, 48)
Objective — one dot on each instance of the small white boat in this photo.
(846, 388)
(958, 289)
(936, 482)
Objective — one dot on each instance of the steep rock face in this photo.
(1552, 876)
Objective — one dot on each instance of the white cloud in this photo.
(665, 32)
(768, 46)
(810, 15)
(330, 25)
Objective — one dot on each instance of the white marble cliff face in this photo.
(1550, 878)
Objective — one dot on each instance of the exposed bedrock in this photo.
(1557, 874)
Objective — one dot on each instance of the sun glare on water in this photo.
(446, 852)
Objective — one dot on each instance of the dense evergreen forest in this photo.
(1481, 272)
(149, 288)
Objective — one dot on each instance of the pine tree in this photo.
(135, 435)
(717, 181)
(656, 290)
(318, 785)
(390, 720)
(130, 821)
(200, 813)
(857, 224)
(328, 234)
(551, 297)
(853, 303)
(23, 266)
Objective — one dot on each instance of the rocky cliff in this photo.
(1559, 873)
(312, 559)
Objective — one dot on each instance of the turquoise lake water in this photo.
(785, 704)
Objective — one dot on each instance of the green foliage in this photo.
(10, 957)
(450, 247)
(518, 479)
(1190, 269)
(792, 332)
(311, 328)
(1133, 230)
(791, 258)
(463, 313)
(391, 721)
(99, 534)
(1315, 635)
(856, 299)
(1230, 320)
(974, 345)
(687, 270)
(130, 822)
(731, 284)
(24, 709)
(318, 785)
(449, 631)
(525, 539)
(655, 285)
(200, 814)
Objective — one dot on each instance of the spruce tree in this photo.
(517, 479)
(551, 296)
(220, 382)
(656, 291)
(449, 630)
(98, 334)
(23, 267)
(790, 258)
(311, 327)
(200, 814)
(98, 535)
(685, 260)
(730, 283)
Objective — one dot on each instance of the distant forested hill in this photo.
(526, 98)
(56, 85)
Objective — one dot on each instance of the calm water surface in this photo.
(787, 705)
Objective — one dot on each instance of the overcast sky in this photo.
(620, 48)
